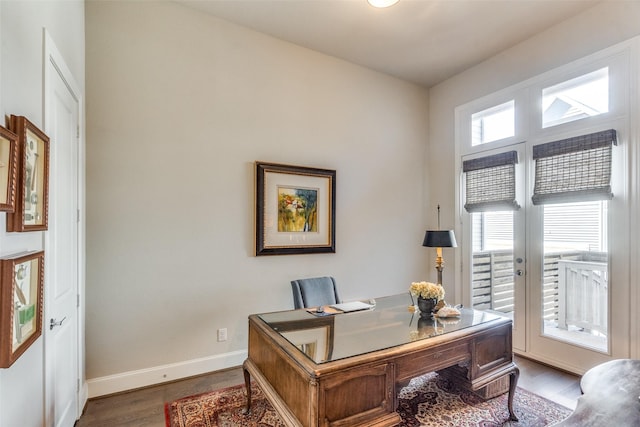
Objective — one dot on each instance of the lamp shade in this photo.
(440, 239)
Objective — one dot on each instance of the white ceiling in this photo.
(422, 41)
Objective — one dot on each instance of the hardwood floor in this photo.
(557, 386)
(145, 407)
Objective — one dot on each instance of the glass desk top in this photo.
(328, 337)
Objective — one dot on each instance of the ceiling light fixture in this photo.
(382, 3)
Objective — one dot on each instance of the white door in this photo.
(62, 320)
(578, 278)
(494, 263)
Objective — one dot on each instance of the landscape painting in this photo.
(297, 210)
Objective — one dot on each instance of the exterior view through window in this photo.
(493, 269)
(575, 285)
(576, 99)
(575, 288)
(493, 123)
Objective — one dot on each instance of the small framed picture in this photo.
(32, 192)
(295, 209)
(21, 302)
(8, 169)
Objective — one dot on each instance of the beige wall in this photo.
(180, 105)
(21, 89)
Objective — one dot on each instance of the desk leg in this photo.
(513, 382)
(247, 385)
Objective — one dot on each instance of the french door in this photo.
(494, 261)
(578, 280)
(549, 267)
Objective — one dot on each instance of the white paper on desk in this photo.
(352, 306)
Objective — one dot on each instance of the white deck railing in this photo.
(582, 295)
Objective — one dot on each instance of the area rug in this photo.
(426, 401)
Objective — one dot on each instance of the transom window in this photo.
(494, 123)
(575, 99)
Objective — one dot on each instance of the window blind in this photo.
(574, 169)
(491, 183)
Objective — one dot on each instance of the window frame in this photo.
(618, 96)
(489, 112)
(464, 124)
(623, 61)
(583, 78)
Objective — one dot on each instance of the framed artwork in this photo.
(8, 169)
(32, 191)
(21, 302)
(295, 209)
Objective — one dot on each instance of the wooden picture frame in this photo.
(295, 209)
(8, 169)
(32, 190)
(21, 304)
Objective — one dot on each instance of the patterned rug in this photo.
(427, 401)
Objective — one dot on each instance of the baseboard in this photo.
(159, 374)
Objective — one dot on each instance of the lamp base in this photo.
(439, 268)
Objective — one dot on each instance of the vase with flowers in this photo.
(428, 294)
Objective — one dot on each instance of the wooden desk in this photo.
(346, 369)
(611, 396)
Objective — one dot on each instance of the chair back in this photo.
(314, 292)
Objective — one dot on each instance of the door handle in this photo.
(53, 323)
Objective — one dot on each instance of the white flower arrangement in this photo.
(427, 290)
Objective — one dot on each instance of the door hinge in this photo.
(78, 385)
(78, 132)
(77, 300)
(77, 215)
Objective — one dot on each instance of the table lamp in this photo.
(439, 239)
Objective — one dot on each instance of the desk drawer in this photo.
(431, 359)
(491, 350)
(362, 396)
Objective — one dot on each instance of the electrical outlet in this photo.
(222, 334)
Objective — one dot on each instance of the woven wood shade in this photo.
(491, 183)
(574, 170)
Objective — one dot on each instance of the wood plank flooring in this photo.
(145, 407)
(558, 386)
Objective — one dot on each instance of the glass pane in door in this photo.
(575, 289)
(493, 264)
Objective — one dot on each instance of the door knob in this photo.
(53, 323)
(519, 273)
